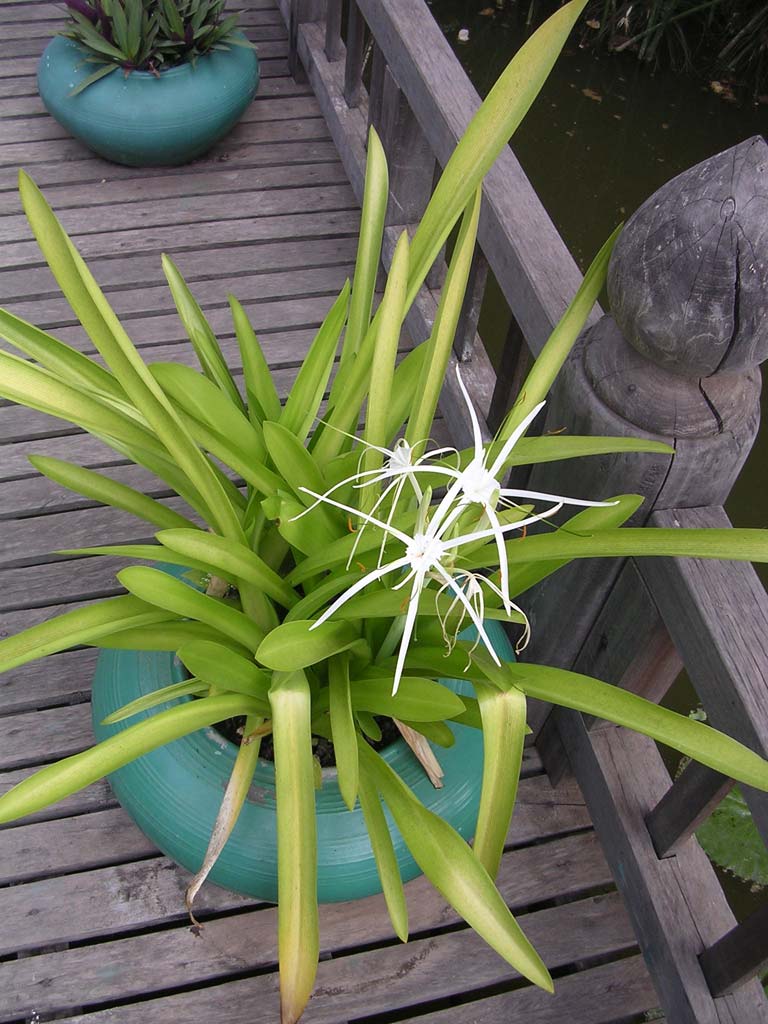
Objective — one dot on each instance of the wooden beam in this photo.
(717, 614)
(739, 956)
(686, 805)
(677, 905)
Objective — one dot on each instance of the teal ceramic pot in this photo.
(140, 119)
(174, 792)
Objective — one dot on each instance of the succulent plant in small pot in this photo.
(148, 82)
(309, 581)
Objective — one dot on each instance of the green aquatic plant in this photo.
(318, 559)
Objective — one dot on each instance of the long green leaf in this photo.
(99, 320)
(582, 693)
(100, 488)
(384, 855)
(737, 545)
(391, 314)
(560, 342)
(375, 198)
(440, 344)
(229, 560)
(503, 716)
(22, 382)
(417, 700)
(263, 400)
(164, 591)
(456, 873)
(343, 731)
(62, 360)
(83, 625)
(308, 389)
(200, 334)
(294, 645)
(201, 399)
(226, 670)
(187, 688)
(71, 774)
(168, 636)
(297, 916)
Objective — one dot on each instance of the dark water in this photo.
(604, 134)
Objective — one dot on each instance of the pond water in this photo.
(604, 134)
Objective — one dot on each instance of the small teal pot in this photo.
(143, 120)
(173, 793)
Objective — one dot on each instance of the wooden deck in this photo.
(93, 921)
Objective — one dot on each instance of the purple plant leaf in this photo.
(84, 8)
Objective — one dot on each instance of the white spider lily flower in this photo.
(472, 585)
(422, 562)
(399, 468)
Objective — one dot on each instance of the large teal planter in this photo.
(140, 119)
(173, 794)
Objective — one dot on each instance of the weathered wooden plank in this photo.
(102, 902)
(196, 265)
(79, 843)
(424, 969)
(323, 195)
(28, 738)
(149, 241)
(55, 312)
(676, 904)
(602, 995)
(243, 159)
(176, 957)
(69, 150)
(99, 897)
(58, 680)
(717, 614)
(410, 159)
(686, 805)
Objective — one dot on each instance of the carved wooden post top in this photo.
(688, 280)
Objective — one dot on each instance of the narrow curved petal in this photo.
(476, 621)
(361, 584)
(514, 437)
(362, 515)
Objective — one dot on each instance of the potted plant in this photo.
(148, 82)
(329, 579)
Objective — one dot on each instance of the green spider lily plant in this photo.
(321, 557)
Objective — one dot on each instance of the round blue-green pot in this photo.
(144, 120)
(173, 793)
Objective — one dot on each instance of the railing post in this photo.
(677, 361)
(333, 44)
(739, 956)
(300, 12)
(353, 68)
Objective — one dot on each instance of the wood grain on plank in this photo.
(400, 976)
(174, 957)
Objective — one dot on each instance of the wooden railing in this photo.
(670, 364)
